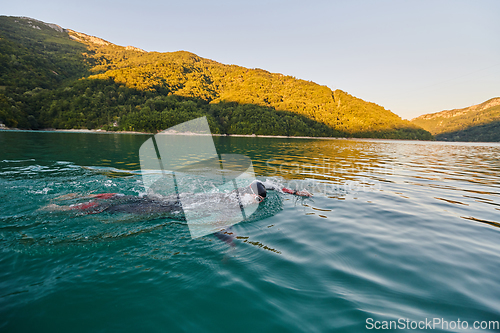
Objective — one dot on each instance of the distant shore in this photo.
(71, 131)
(99, 131)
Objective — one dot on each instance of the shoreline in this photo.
(72, 130)
(99, 131)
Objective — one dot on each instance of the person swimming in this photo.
(153, 203)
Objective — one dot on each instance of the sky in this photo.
(411, 57)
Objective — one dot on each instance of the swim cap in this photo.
(258, 189)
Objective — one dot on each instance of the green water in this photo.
(396, 229)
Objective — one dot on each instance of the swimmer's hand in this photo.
(304, 193)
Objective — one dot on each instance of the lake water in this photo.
(396, 230)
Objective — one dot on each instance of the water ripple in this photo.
(396, 229)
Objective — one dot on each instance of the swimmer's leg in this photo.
(91, 207)
(68, 196)
(55, 208)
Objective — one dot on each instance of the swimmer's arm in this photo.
(273, 187)
(302, 193)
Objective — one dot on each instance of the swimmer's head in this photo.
(259, 190)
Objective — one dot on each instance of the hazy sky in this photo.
(412, 57)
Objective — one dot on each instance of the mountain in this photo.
(52, 77)
(475, 123)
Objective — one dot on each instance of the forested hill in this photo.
(56, 78)
(475, 123)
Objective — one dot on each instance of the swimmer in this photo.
(255, 193)
(154, 204)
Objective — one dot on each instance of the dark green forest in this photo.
(62, 79)
(489, 132)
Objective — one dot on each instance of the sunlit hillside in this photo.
(57, 78)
